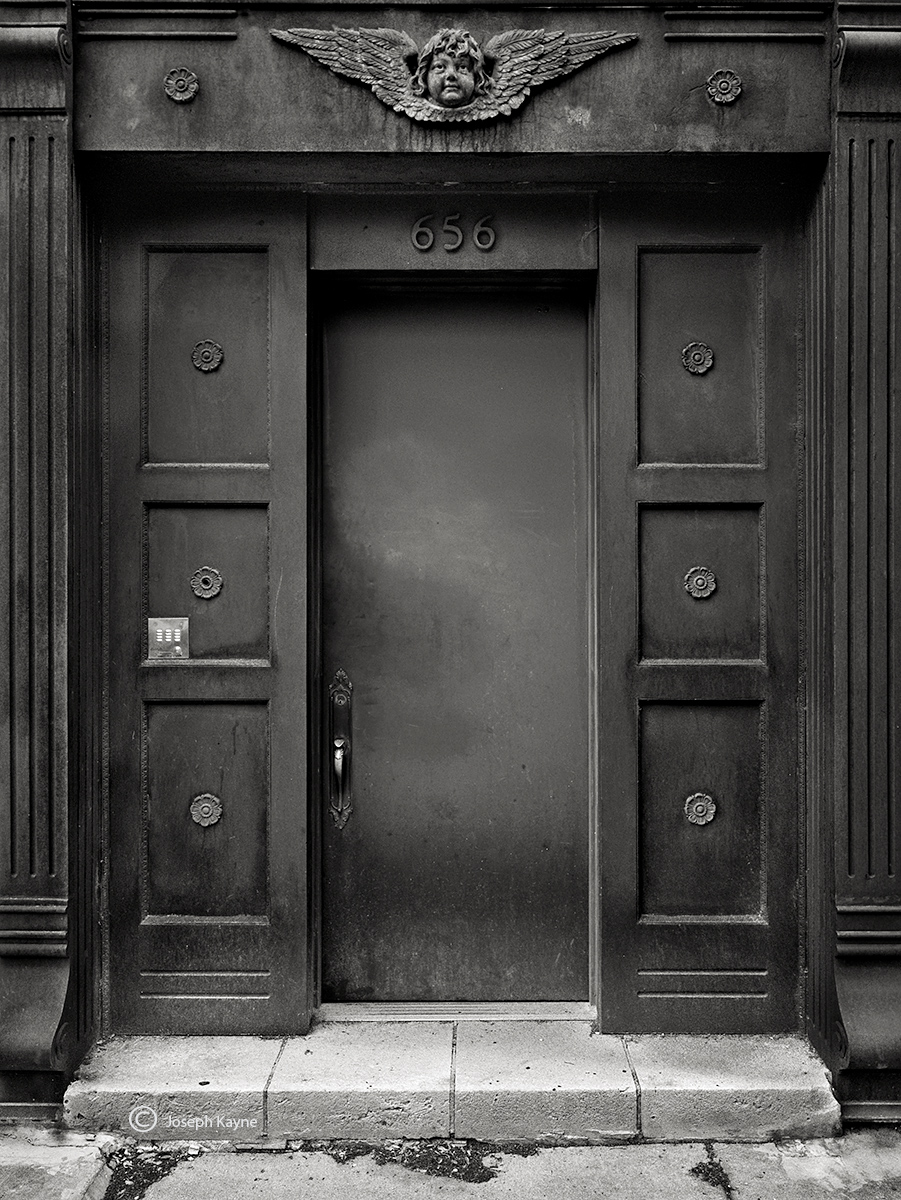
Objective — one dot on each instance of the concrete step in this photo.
(553, 1081)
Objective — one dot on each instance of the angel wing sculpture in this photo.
(452, 78)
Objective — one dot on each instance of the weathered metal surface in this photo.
(208, 919)
(699, 921)
(455, 597)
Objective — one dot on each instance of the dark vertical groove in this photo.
(891, 791)
(868, 442)
(822, 420)
(49, 532)
(11, 491)
(30, 548)
(826, 791)
(849, 466)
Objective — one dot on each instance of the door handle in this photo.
(340, 727)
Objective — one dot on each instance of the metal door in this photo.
(455, 636)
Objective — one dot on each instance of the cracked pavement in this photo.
(51, 1164)
(864, 1164)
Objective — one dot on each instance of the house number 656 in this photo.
(423, 236)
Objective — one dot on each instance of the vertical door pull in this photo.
(340, 725)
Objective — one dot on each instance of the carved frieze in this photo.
(452, 77)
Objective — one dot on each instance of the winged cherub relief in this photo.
(452, 78)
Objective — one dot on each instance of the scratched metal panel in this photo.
(454, 598)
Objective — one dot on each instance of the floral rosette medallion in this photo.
(206, 582)
(700, 582)
(206, 356)
(181, 85)
(700, 808)
(724, 87)
(206, 809)
(697, 357)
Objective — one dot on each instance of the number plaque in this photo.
(482, 234)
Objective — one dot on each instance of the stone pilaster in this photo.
(866, 579)
(35, 217)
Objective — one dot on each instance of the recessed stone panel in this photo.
(700, 355)
(700, 582)
(207, 356)
(701, 805)
(206, 807)
(210, 563)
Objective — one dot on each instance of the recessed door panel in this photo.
(701, 801)
(454, 599)
(211, 562)
(699, 354)
(700, 581)
(697, 630)
(209, 762)
(207, 530)
(206, 385)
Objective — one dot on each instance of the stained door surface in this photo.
(454, 598)
(697, 637)
(206, 456)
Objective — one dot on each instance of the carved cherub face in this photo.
(450, 80)
(451, 70)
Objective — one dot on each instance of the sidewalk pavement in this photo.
(38, 1163)
(865, 1164)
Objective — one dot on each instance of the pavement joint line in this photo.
(637, 1083)
(267, 1085)
(452, 1099)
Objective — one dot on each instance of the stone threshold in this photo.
(552, 1081)
(385, 1010)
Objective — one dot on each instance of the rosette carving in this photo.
(181, 85)
(206, 356)
(700, 808)
(697, 357)
(206, 582)
(700, 582)
(206, 809)
(724, 87)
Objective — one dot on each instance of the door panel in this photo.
(199, 873)
(697, 653)
(682, 873)
(202, 416)
(454, 598)
(672, 623)
(711, 414)
(207, 521)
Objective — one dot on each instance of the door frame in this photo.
(339, 194)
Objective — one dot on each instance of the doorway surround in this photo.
(125, 130)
